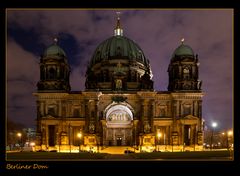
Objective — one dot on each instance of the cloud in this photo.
(22, 76)
(20, 63)
(77, 79)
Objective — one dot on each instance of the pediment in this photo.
(50, 116)
(189, 120)
(190, 117)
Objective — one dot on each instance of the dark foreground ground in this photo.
(54, 156)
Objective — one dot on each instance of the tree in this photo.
(12, 129)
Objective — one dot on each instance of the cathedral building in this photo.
(119, 106)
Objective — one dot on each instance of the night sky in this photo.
(157, 32)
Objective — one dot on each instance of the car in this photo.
(27, 149)
(128, 151)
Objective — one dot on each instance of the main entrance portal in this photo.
(118, 128)
(119, 141)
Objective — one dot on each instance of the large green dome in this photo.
(54, 50)
(183, 50)
(118, 47)
(118, 63)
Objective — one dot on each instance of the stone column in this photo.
(193, 108)
(145, 110)
(96, 119)
(60, 108)
(182, 135)
(180, 71)
(58, 72)
(175, 113)
(142, 111)
(200, 114)
(135, 132)
(152, 114)
(168, 113)
(114, 141)
(45, 73)
(42, 108)
(86, 109)
(46, 135)
(180, 108)
(124, 138)
(43, 135)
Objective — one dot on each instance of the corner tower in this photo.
(54, 70)
(183, 70)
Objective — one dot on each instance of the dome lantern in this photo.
(183, 50)
(118, 31)
(55, 40)
(54, 49)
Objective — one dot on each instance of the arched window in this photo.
(176, 72)
(186, 109)
(119, 51)
(62, 72)
(92, 113)
(51, 73)
(42, 75)
(63, 111)
(76, 112)
(186, 73)
(51, 111)
(162, 112)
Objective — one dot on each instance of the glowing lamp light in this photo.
(214, 124)
(32, 144)
(55, 39)
(159, 135)
(182, 40)
(19, 134)
(79, 135)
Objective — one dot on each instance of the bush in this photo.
(53, 151)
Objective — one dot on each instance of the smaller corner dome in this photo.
(54, 50)
(183, 50)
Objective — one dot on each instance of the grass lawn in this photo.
(182, 155)
(54, 156)
(25, 156)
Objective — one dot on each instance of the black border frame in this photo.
(127, 167)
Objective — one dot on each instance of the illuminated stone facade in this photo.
(119, 106)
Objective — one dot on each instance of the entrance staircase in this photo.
(117, 149)
(117, 152)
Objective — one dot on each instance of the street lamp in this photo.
(79, 135)
(32, 144)
(59, 140)
(223, 140)
(214, 125)
(159, 135)
(98, 142)
(20, 139)
(228, 134)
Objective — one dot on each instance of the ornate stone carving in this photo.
(147, 128)
(91, 128)
(119, 99)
